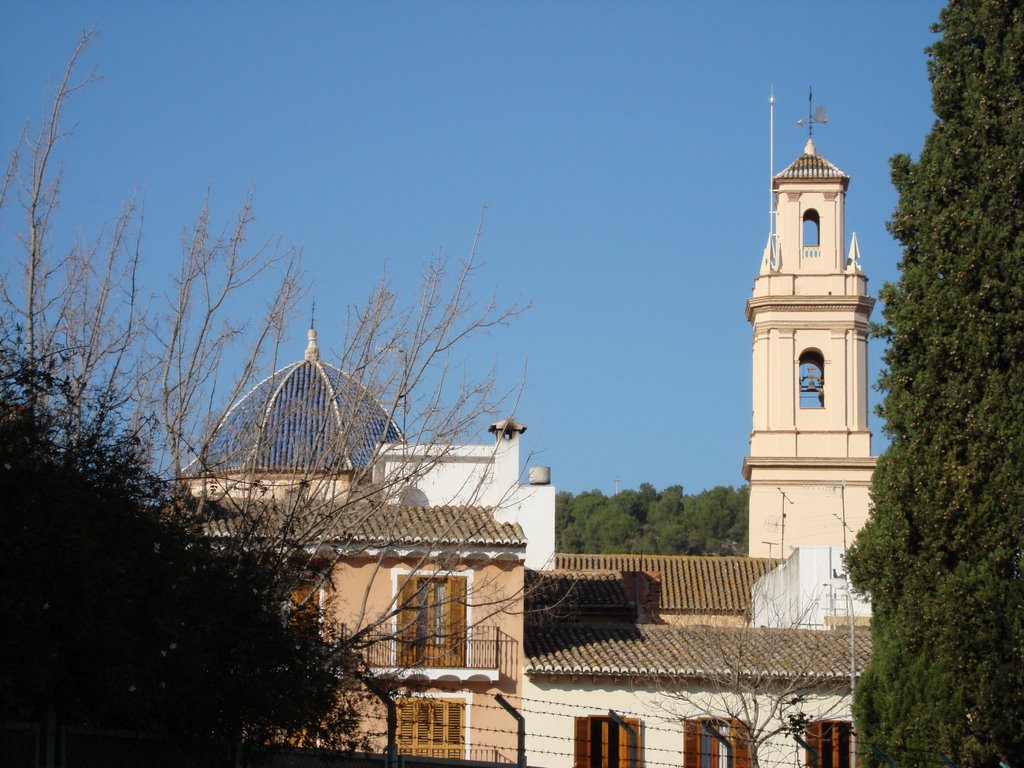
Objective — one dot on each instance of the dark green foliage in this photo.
(116, 614)
(942, 554)
(652, 522)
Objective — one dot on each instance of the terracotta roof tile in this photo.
(695, 652)
(811, 166)
(392, 525)
(446, 525)
(566, 595)
(689, 583)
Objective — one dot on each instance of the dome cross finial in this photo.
(312, 350)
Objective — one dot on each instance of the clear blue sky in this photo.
(621, 149)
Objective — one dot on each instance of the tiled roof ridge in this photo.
(609, 573)
(653, 557)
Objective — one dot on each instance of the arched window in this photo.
(811, 235)
(812, 379)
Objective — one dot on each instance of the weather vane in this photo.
(818, 115)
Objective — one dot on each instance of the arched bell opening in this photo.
(812, 379)
(811, 234)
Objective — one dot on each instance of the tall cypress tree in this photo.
(943, 552)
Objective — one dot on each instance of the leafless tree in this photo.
(157, 358)
(76, 313)
(756, 686)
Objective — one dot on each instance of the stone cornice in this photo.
(789, 303)
(787, 328)
(807, 462)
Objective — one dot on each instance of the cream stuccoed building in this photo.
(810, 461)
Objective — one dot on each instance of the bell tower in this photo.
(810, 459)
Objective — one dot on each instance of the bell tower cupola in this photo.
(810, 459)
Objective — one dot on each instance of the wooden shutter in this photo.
(453, 733)
(833, 739)
(582, 743)
(407, 616)
(599, 740)
(739, 737)
(406, 730)
(438, 732)
(305, 605)
(842, 747)
(813, 737)
(423, 738)
(431, 727)
(455, 612)
(691, 743)
(830, 755)
(624, 743)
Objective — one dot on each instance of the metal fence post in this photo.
(809, 748)
(632, 735)
(520, 729)
(50, 742)
(878, 751)
(391, 757)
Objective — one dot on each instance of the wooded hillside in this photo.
(667, 522)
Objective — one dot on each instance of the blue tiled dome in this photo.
(308, 416)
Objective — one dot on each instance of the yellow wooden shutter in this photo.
(438, 733)
(431, 727)
(455, 597)
(406, 731)
(423, 723)
(407, 616)
(454, 736)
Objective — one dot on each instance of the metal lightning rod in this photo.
(771, 163)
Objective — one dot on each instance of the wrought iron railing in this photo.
(480, 648)
(475, 754)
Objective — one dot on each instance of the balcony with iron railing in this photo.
(473, 653)
(432, 757)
